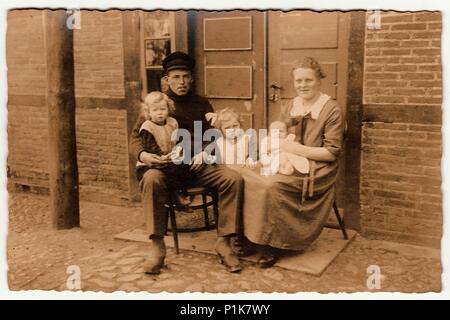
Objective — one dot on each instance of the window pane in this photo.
(156, 24)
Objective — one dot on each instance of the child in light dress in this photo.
(233, 148)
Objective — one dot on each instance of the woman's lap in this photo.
(274, 215)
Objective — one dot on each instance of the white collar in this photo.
(315, 108)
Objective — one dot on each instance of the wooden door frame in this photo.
(132, 86)
(266, 70)
(354, 118)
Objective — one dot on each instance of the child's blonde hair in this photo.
(155, 97)
(225, 115)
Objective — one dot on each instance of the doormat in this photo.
(313, 260)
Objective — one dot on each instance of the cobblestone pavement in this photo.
(38, 257)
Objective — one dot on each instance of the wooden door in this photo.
(229, 49)
(295, 34)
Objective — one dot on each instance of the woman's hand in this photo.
(311, 153)
(291, 147)
(153, 160)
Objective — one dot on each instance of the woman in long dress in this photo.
(289, 211)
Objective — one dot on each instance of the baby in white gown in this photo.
(287, 162)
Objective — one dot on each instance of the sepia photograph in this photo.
(237, 151)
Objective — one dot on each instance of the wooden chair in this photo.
(340, 225)
(205, 193)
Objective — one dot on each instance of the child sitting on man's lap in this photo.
(157, 132)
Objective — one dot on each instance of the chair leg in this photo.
(340, 220)
(215, 207)
(173, 223)
(205, 210)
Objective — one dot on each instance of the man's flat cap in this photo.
(178, 60)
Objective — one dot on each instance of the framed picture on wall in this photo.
(155, 52)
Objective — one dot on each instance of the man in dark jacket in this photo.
(154, 185)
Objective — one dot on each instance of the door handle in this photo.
(274, 96)
(275, 86)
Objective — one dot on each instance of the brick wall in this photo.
(102, 153)
(403, 62)
(25, 53)
(28, 145)
(401, 144)
(101, 125)
(101, 131)
(98, 54)
(400, 182)
(27, 120)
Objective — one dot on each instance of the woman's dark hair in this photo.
(309, 63)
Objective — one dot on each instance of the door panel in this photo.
(318, 30)
(229, 50)
(228, 82)
(227, 33)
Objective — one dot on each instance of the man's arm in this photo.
(198, 159)
(208, 109)
(206, 124)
